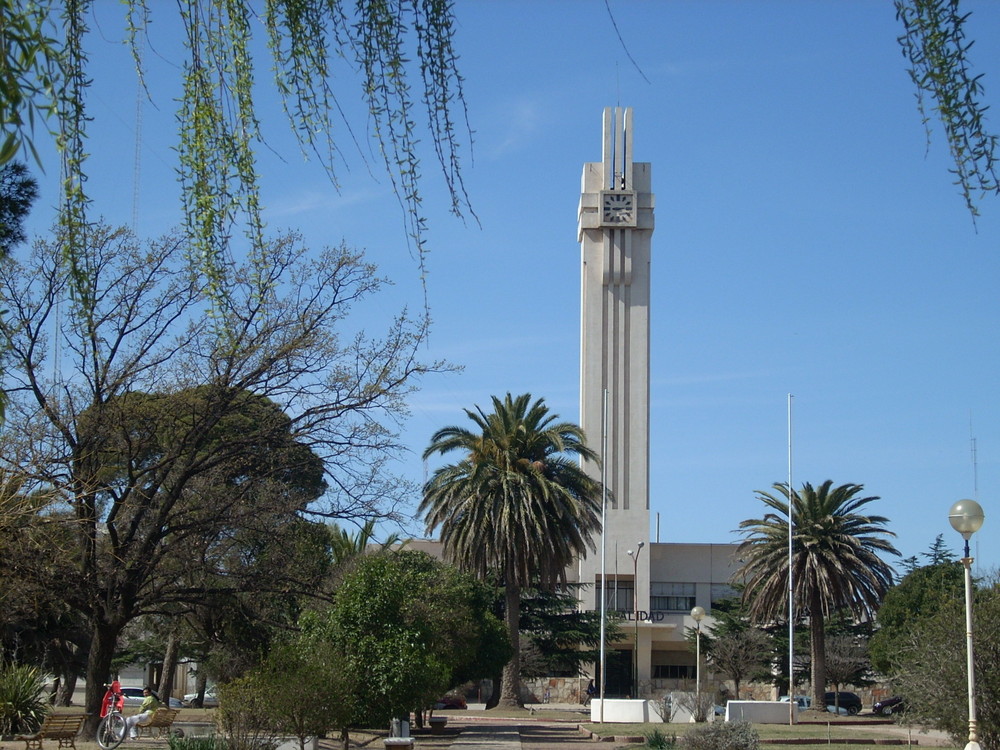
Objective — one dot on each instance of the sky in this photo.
(809, 241)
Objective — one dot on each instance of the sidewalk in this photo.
(537, 733)
(519, 734)
(493, 736)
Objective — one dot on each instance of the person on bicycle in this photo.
(146, 708)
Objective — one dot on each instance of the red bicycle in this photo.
(111, 730)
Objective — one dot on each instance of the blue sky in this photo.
(808, 241)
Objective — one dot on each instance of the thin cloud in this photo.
(520, 127)
(328, 200)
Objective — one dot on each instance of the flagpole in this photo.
(791, 589)
(604, 526)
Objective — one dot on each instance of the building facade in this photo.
(649, 587)
(652, 586)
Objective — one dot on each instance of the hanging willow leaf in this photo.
(935, 45)
(387, 43)
(29, 72)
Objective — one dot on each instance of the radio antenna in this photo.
(975, 461)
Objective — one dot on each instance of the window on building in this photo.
(671, 597)
(673, 672)
(621, 596)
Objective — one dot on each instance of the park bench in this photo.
(61, 727)
(162, 721)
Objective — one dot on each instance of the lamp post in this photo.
(697, 614)
(966, 517)
(634, 554)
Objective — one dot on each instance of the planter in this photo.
(437, 724)
(194, 728)
(292, 743)
(391, 743)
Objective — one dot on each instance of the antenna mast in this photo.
(975, 462)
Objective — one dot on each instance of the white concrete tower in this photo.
(615, 232)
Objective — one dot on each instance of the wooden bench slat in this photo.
(162, 719)
(61, 727)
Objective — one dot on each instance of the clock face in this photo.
(618, 209)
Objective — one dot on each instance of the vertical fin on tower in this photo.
(617, 154)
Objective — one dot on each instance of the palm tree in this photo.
(835, 562)
(516, 505)
(345, 546)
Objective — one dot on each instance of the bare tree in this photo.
(698, 704)
(846, 661)
(740, 655)
(170, 434)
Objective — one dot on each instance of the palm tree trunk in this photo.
(510, 688)
(817, 648)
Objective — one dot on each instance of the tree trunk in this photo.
(102, 651)
(510, 687)
(817, 649)
(200, 683)
(169, 667)
(494, 700)
(345, 738)
(65, 695)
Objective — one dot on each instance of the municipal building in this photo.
(652, 585)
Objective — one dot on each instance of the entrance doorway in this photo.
(619, 666)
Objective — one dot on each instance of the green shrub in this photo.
(722, 735)
(197, 743)
(22, 707)
(244, 716)
(659, 741)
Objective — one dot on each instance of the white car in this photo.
(134, 697)
(211, 699)
(803, 701)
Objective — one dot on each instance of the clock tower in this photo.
(615, 230)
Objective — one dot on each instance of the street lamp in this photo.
(697, 614)
(966, 517)
(634, 554)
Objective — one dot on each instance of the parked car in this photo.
(848, 701)
(134, 697)
(888, 706)
(450, 701)
(803, 701)
(211, 699)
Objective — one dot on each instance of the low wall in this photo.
(554, 690)
(620, 711)
(759, 712)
